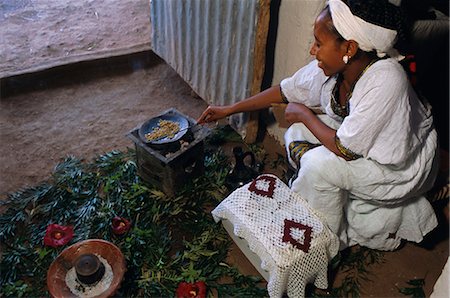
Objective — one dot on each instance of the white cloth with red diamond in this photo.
(292, 240)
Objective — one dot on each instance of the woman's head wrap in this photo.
(377, 33)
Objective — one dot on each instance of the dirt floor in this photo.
(87, 108)
(39, 34)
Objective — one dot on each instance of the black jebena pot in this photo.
(241, 173)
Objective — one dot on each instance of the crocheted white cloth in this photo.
(292, 240)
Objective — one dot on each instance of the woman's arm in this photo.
(296, 112)
(259, 101)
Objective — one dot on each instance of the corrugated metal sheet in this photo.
(210, 43)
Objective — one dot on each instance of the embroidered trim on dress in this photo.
(298, 148)
(283, 96)
(344, 110)
(339, 110)
(345, 151)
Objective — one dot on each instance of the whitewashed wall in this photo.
(294, 36)
(294, 40)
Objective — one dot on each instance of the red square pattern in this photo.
(287, 237)
(267, 193)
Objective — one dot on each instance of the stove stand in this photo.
(169, 167)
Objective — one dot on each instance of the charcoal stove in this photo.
(169, 166)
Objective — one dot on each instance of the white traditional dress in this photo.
(376, 199)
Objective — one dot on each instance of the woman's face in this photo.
(326, 48)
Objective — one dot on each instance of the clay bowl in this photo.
(56, 274)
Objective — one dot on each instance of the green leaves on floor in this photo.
(171, 239)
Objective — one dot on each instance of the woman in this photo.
(366, 163)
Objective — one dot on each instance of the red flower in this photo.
(191, 290)
(413, 67)
(120, 225)
(57, 235)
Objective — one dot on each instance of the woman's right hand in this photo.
(256, 102)
(214, 113)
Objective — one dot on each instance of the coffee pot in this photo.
(241, 173)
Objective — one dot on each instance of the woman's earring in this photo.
(345, 59)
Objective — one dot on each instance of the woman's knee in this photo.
(322, 163)
(316, 159)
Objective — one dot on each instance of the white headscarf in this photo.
(368, 36)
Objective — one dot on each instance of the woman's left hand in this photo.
(297, 112)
